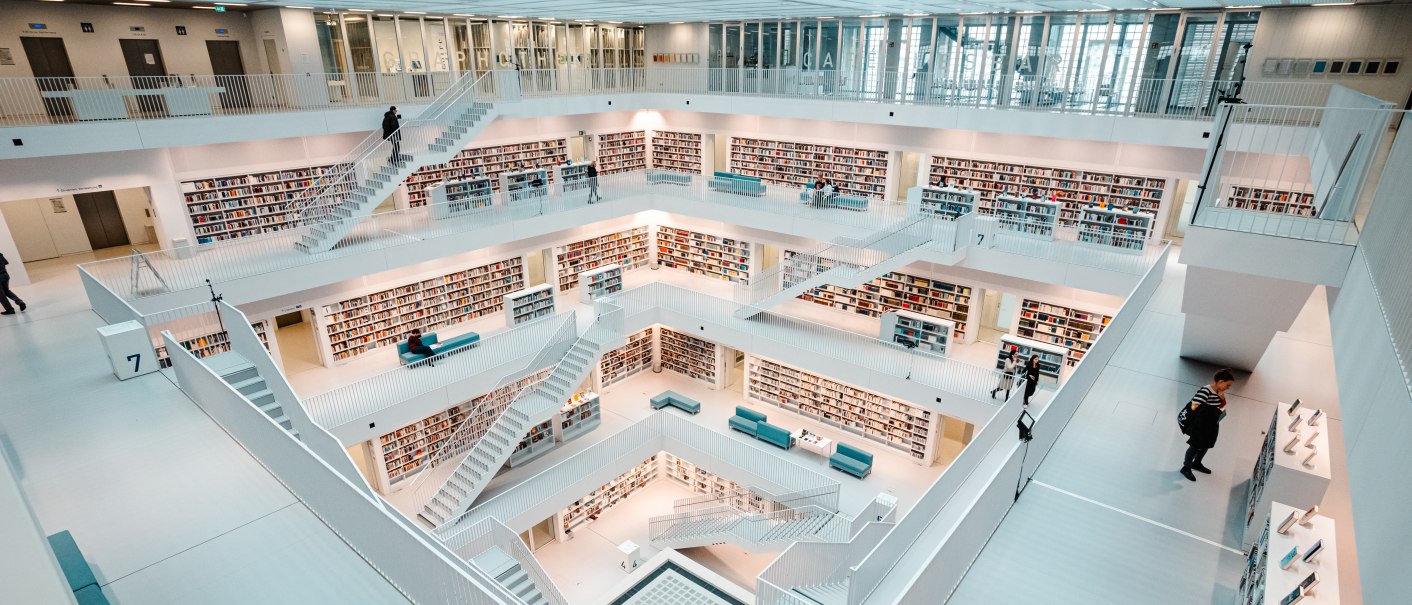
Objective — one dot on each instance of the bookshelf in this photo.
(627, 360)
(571, 177)
(1051, 358)
(894, 423)
(1115, 229)
(599, 282)
(679, 151)
(702, 481)
(241, 205)
(525, 184)
(856, 171)
(1030, 216)
(205, 341)
(945, 202)
(529, 304)
(690, 356)
(931, 297)
(486, 162)
(723, 258)
(452, 198)
(588, 508)
(1069, 328)
(621, 152)
(1278, 201)
(1299, 477)
(1265, 582)
(1071, 188)
(537, 443)
(354, 326)
(931, 335)
(581, 414)
(626, 248)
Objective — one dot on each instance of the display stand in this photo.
(452, 198)
(571, 177)
(1029, 216)
(627, 360)
(601, 282)
(1051, 358)
(945, 202)
(1266, 582)
(924, 333)
(580, 415)
(1061, 326)
(529, 304)
(521, 185)
(1280, 476)
(1114, 229)
(537, 443)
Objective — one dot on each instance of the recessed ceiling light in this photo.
(230, 4)
(510, 17)
(461, 15)
(583, 20)
(915, 14)
(386, 15)
(614, 22)
(413, 13)
(1095, 10)
(130, 4)
(868, 16)
(51, 0)
(826, 17)
(161, 1)
(211, 8)
(1027, 12)
(307, 8)
(1333, 4)
(1164, 9)
(361, 10)
(1246, 6)
(668, 23)
(970, 13)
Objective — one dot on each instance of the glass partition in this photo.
(389, 57)
(789, 44)
(1120, 69)
(461, 42)
(1198, 35)
(414, 57)
(809, 45)
(850, 64)
(751, 51)
(915, 62)
(1090, 44)
(713, 52)
(438, 48)
(332, 49)
(1025, 88)
(946, 57)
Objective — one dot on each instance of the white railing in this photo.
(490, 533)
(750, 529)
(825, 497)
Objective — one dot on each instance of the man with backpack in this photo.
(1200, 421)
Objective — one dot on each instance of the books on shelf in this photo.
(1278, 201)
(899, 291)
(627, 360)
(621, 152)
(525, 184)
(947, 202)
(205, 341)
(580, 415)
(679, 151)
(451, 198)
(571, 177)
(689, 356)
(486, 162)
(600, 282)
(588, 508)
(1051, 358)
(1030, 216)
(1071, 188)
(626, 248)
(529, 304)
(1068, 328)
(702, 481)
(855, 171)
(357, 325)
(242, 205)
(1115, 229)
(877, 417)
(723, 258)
(537, 443)
(926, 334)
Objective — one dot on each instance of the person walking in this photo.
(5, 294)
(1031, 378)
(593, 182)
(391, 131)
(1203, 422)
(1010, 366)
(414, 345)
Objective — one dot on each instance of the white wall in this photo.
(39, 231)
(1338, 32)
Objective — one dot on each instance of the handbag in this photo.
(1184, 417)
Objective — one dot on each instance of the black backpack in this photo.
(1184, 417)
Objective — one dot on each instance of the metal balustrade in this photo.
(753, 530)
(491, 533)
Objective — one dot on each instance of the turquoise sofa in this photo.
(753, 423)
(676, 400)
(851, 460)
(656, 177)
(728, 182)
(76, 569)
(836, 200)
(429, 339)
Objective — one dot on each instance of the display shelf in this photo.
(899, 291)
(1278, 201)
(242, 205)
(1072, 188)
(1266, 581)
(856, 171)
(1297, 478)
(626, 248)
(357, 325)
(529, 304)
(486, 162)
(1115, 229)
(880, 418)
(451, 198)
(629, 359)
(588, 508)
(702, 481)
(537, 443)
(723, 258)
(1072, 329)
(689, 356)
(571, 177)
(600, 282)
(205, 341)
(945, 202)
(621, 152)
(926, 334)
(581, 414)
(679, 151)
(1030, 216)
(525, 184)
(1051, 358)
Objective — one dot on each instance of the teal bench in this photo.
(727, 182)
(674, 399)
(76, 570)
(657, 177)
(429, 339)
(851, 460)
(846, 202)
(753, 423)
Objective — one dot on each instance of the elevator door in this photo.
(101, 219)
(145, 65)
(49, 62)
(229, 71)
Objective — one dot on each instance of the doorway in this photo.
(229, 71)
(148, 70)
(998, 312)
(298, 349)
(49, 62)
(539, 536)
(735, 370)
(722, 153)
(907, 178)
(1178, 218)
(578, 148)
(102, 220)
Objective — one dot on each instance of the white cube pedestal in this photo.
(129, 350)
(1288, 479)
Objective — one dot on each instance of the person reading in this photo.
(414, 345)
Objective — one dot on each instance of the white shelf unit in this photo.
(1072, 188)
(626, 248)
(906, 427)
(242, 205)
(723, 258)
(520, 185)
(690, 356)
(1281, 476)
(856, 171)
(600, 282)
(487, 162)
(579, 416)
(1115, 229)
(537, 443)
(571, 177)
(627, 360)
(926, 334)
(1264, 582)
(1030, 216)
(901, 291)
(621, 152)
(452, 198)
(945, 202)
(1277, 201)
(679, 151)
(357, 325)
(1051, 358)
(1071, 329)
(588, 508)
(702, 481)
(206, 341)
(529, 304)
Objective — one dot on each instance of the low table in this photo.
(815, 443)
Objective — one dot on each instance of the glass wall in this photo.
(389, 53)
(438, 48)
(332, 49)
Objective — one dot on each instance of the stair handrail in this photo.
(786, 500)
(753, 526)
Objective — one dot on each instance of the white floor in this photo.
(164, 504)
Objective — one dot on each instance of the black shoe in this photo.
(992, 393)
(1200, 469)
(7, 313)
(23, 306)
(1186, 472)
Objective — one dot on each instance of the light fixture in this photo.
(1333, 4)
(970, 13)
(583, 20)
(1164, 8)
(668, 23)
(51, 0)
(461, 15)
(361, 10)
(868, 16)
(1240, 7)
(1095, 10)
(386, 15)
(161, 1)
(826, 17)
(510, 17)
(1027, 12)
(130, 4)
(915, 15)
(413, 13)
(614, 22)
(230, 4)
(307, 8)
(211, 8)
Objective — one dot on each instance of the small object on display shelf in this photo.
(1294, 426)
(1309, 460)
(1289, 447)
(1308, 519)
(1311, 556)
(1310, 582)
(1288, 560)
(1314, 418)
(1309, 443)
(1293, 407)
(1288, 523)
(1294, 597)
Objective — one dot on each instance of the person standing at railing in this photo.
(1031, 378)
(592, 173)
(391, 132)
(415, 346)
(1008, 370)
(5, 294)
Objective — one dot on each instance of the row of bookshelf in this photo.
(206, 341)
(621, 152)
(1071, 189)
(723, 258)
(689, 356)
(680, 151)
(626, 248)
(702, 481)
(627, 360)
(1278, 201)
(897, 291)
(235, 206)
(487, 162)
(924, 333)
(529, 304)
(855, 171)
(1071, 328)
(589, 507)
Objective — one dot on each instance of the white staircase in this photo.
(242, 375)
(756, 532)
(833, 593)
(508, 573)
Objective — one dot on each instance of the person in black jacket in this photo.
(592, 173)
(1031, 378)
(414, 345)
(1203, 423)
(391, 125)
(5, 294)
